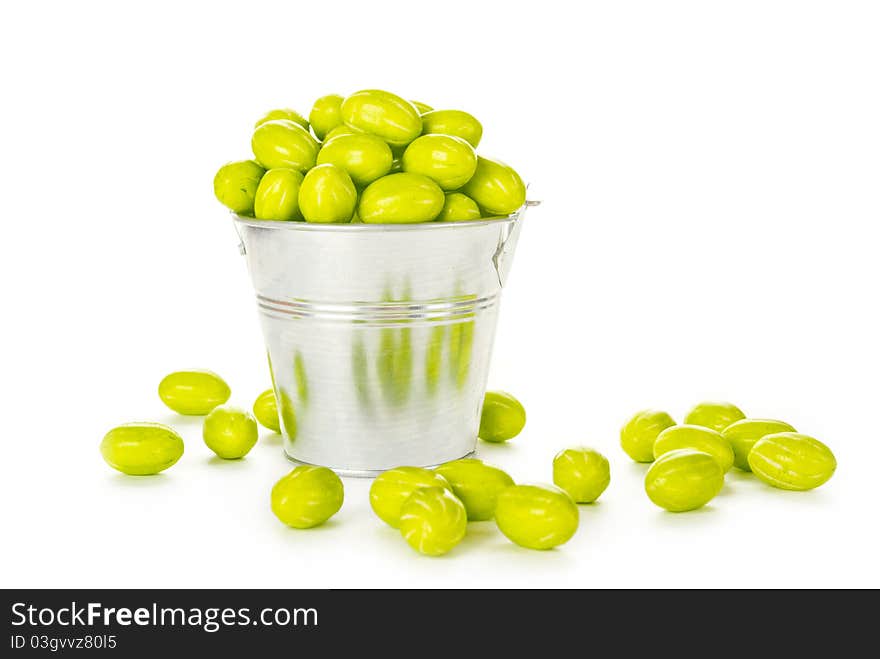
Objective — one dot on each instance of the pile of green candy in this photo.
(691, 459)
(370, 157)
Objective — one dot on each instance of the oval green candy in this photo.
(193, 393)
(326, 114)
(496, 187)
(448, 161)
(307, 496)
(714, 414)
(266, 410)
(236, 184)
(582, 472)
(536, 517)
(363, 156)
(283, 143)
(459, 207)
(476, 484)
(278, 195)
(283, 113)
(433, 520)
(382, 113)
(141, 449)
(792, 461)
(401, 199)
(684, 480)
(327, 194)
(638, 435)
(503, 417)
(230, 432)
(453, 122)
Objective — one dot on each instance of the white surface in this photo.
(709, 172)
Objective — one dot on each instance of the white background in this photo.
(709, 172)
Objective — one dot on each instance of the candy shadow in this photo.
(478, 535)
(283, 530)
(808, 498)
(699, 517)
(153, 480)
(557, 556)
(592, 508)
(216, 462)
(483, 537)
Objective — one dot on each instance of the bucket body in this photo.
(379, 336)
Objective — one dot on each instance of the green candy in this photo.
(327, 194)
(326, 114)
(476, 484)
(230, 432)
(391, 488)
(582, 472)
(278, 195)
(283, 113)
(503, 417)
(698, 438)
(433, 521)
(496, 187)
(284, 143)
(453, 122)
(743, 434)
(307, 496)
(236, 183)
(421, 107)
(364, 157)
(266, 410)
(141, 449)
(342, 129)
(714, 414)
(193, 393)
(684, 480)
(536, 517)
(382, 113)
(638, 435)
(448, 161)
(459, 207)
(401, 199)
(792, 461)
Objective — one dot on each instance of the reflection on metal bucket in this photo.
(379, 337)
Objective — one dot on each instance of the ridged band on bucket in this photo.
(377, 313)
(379, 337)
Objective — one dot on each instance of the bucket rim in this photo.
(360, 226)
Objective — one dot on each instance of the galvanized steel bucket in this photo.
(379, 336)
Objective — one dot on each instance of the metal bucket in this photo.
(379, 336)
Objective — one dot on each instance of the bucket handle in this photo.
(501, 259)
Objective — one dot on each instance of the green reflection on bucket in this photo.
(302, 382)
(461, 345)
(360, 372)
(288, 415)
(394, 362)
(434, 358)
